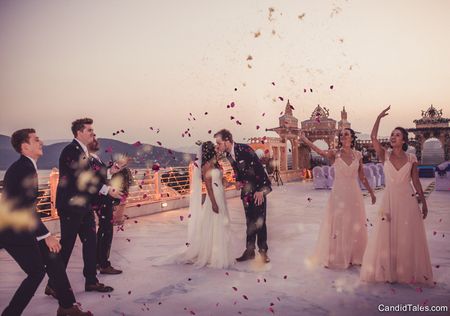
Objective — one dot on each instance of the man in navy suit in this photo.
(35, 251)
(78, 186)
(254, 183)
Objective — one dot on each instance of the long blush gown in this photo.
(343, 232)
(398, 250)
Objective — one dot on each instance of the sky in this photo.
(138, 64)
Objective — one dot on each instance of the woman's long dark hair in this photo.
(208, 152)
(405, 137)
(352, 132)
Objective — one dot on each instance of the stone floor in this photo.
(286, 286)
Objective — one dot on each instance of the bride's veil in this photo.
(195, 198)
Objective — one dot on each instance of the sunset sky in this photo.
(137, 64)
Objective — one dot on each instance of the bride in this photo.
(209, 225)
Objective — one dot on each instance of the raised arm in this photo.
(374, 135)
(329, 154)
(418, 188)
(206, 173)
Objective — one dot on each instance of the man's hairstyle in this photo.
(224, 134)
(21, 136)
(78, 125)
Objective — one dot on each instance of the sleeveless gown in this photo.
(343, 233)
(398, 249)
(210, 234)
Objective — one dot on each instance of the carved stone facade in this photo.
(318, 127)
(431, 125)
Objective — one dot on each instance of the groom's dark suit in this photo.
(77, 187)
(20, 192)
(250, 172)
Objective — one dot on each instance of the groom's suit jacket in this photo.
(249, 170)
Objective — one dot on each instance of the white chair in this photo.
(319, 179)
(381, 172)
(442, 177)
(326, 171)
(376, 174)
(330, 179)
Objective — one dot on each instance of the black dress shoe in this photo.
(98, 287)
(264, 256)
(50, 292)
(110, 270)
(247, 255)
(72, 311)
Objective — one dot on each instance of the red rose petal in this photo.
(234, 288)
(156, 167)
(245, 297)
(281, 98)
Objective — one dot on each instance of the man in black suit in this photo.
(77, 188)
(35, 251)
(103, 206)
(255, 185)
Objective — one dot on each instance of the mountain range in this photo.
(143, 155)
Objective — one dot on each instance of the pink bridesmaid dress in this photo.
(398, 250)
(343, 232)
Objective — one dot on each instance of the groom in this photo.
(255, 185)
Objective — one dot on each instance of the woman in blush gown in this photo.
(398, 250)
(343, 233)
(209, 225)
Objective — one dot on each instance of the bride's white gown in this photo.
(208, 233)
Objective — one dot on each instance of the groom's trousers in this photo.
(256, 224)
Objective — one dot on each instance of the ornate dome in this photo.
(320, 113)
(432, 115)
